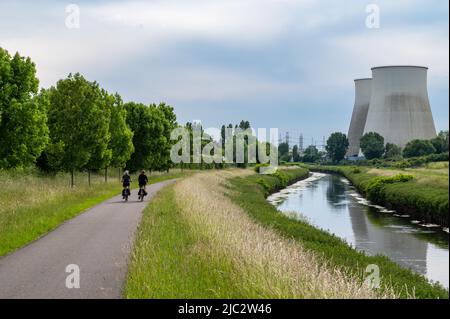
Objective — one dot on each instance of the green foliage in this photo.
(375, 187)
(78, 119)
(151, 137)
(392, 151)
(441, 142)
(418, 148)
(23, 120)
(295, 154)
(121, 143)
(337, 145)
(311, 154)
(283, 149)
(372, 145)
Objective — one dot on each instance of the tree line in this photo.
(372, 145)
(76, 125)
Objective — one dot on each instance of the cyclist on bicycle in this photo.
(126, 181)
(143, 180)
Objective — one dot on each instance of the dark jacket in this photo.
(143, 179)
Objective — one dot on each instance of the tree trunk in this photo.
(119, 175)
(89, 177)
(71, 178)
(106, 174)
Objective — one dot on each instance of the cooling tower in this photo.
(363, 88)
(399, 107)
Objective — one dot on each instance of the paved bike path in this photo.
(98, 241)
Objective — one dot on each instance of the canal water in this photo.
(329, 202)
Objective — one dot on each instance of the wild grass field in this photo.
(32, 204)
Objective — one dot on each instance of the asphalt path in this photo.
(86, 257)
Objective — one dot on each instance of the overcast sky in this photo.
(288, 64)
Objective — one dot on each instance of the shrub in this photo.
(418, 148)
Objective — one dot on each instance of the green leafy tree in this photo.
(121, 142)
(418, 148)
(78, 122)
(311, 154)
(23, 119)
(283, 149)
(149, 141)
(372, 145)
(170, 123)
(440, 142)
(101, 154)
(295, 154)
(392, 151)
(337, 145)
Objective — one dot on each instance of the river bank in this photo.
(251, 196)
(424, 198)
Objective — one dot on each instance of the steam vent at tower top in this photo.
(394, 103)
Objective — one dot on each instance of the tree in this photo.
(121, 142)
(372, 145)
(23, 119)
(440, 142)
(283, 149)
(169, 123)
(147, 124)
(101, 154)
(311, 154)
(392, 151)
(418, 148)
(78, 124)
(337, 145)
(295, 154)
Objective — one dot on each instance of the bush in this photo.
(372, 145)
(418, 148)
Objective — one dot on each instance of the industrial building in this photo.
(398, 107)
(363, 89)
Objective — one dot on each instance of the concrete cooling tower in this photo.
(363, 89)
(399, 107)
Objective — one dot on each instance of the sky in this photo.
(286, 64)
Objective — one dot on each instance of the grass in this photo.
(425, 197)
(250, 196)
(33, 204)
(195, 242)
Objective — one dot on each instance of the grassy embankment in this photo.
(424, 197)
(33, 204)
(334, 250)
(214, 235)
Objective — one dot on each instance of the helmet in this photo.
(127, 173)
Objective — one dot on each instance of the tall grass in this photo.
(195, 242)
(32, 204)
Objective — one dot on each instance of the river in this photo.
(330, 202)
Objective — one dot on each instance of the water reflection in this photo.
(330, 203)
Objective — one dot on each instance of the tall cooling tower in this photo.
(363, 89)
(399, 107)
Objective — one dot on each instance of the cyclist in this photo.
(126, 181)
(143, 180)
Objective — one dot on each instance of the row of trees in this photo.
(372, 146)
(76, 125)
